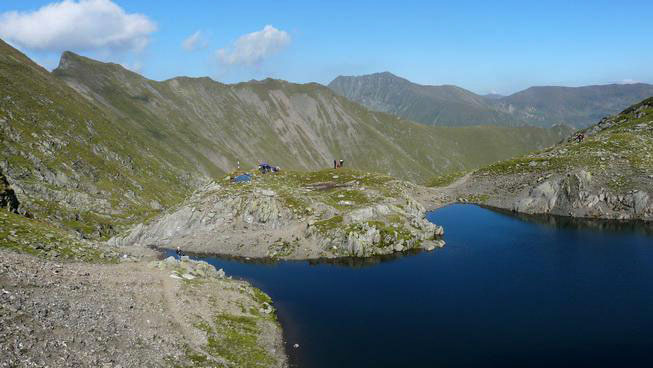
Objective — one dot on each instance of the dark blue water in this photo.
(504, 291)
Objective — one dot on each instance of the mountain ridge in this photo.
(426, 104)
(537, 105)
(268, 96)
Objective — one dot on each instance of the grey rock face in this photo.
(640, 202)
(540, 199)
(577, 194)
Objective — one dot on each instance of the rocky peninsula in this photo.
(295, 215)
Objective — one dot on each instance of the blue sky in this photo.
(484, 46)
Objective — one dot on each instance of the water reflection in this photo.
(572, 223)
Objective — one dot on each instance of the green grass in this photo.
(327, 225)
(236, 340)
(233, 338)
(618, 154)
(444, 180)
(346, 188)
(55, 130)
(21, 234)
(261, 297)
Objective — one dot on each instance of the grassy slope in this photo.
(290, 185)
(68, 161)
(42, 239)
(621, 156)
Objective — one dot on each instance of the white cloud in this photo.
(629, 81)
(253, 48)
(194, 42)
(84, 25)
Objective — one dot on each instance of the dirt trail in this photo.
(457, 183)
(434, 198)
(169, 289)
(119, 315)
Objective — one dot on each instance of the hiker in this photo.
(342, 162)
(179, 253)
(580, 137)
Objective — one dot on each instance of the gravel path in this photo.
(125, 315)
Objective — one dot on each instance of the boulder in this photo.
(640, 202)
(367, 213)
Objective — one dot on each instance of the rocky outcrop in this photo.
(363, 235)
(203, 213)
(575, 194)
(188, 269)
(286, 215)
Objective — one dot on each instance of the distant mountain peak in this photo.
(69, 59)
(386, 74)
(454, 106)
(71, 62)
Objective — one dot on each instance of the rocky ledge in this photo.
(295, 215)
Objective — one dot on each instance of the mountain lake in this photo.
(506, 290)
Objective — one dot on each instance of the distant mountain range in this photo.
(96, 146)
(454, 106)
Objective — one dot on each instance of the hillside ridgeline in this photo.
(607, 175)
